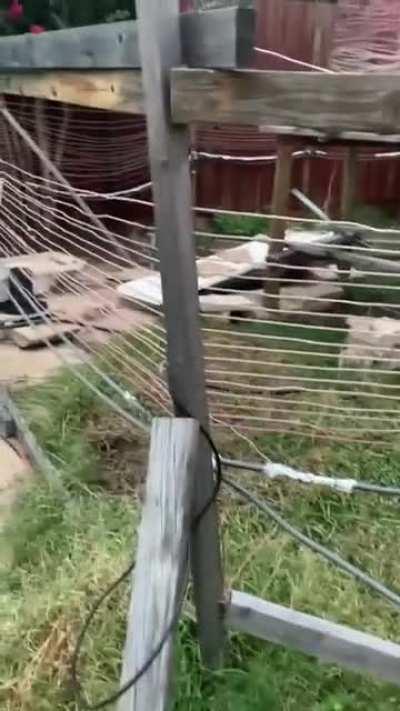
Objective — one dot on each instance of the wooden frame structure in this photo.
(195, 68)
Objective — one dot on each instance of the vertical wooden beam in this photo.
(279, 206)
(169, 150)
(349, 182)
(347, 202)
(161, 563)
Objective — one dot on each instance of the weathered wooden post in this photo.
(161, 562)
(279, 206)
(160, 47)
(349, 182)
(347, 203)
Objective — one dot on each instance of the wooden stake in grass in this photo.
(161, 563)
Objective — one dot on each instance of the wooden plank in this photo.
(35, 454)
(106, 46)
(7, 425)
(374, 139)
(217, 38)
(307, 100)
(170, 171)
(161, 562)
(114, 90)
(221, 38)
(40, 335)
(329, 642)
(325, 247)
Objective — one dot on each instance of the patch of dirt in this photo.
(124, 453)
(33, 365)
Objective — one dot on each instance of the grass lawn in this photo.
(66, 545)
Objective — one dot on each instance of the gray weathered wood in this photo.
(7, 424)
(106, 46)
(35, 454)
(325, 247)
(279, 206)
(168, 152)
(340, 136)
(161, 561)
(221, 38)
(307, 100)
(307, 202)
(217, 38)
(313, 635)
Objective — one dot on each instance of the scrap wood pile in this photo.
(315, 271)
(276, 368)
(319, 364)
(49, 295)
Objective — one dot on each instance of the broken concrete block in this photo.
(41, 335)
(372, 341)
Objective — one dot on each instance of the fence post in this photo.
(279, 206)
(161, 562)
(160, 48)
(349, 182)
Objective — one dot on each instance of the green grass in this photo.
(68, 545)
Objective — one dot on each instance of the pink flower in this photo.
(37, 29)
(15, 11)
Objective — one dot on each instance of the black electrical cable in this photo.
(364, 486)
(75, 683)
(324, 552)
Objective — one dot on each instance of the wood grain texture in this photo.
(279, 206)
(339, 137)
(114, 90)
(359, 260)
(172, 190)
(106, 46)
(325, 640)
(161, 561)
(306, 100)
(217, 38)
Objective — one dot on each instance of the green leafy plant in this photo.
(246, 226)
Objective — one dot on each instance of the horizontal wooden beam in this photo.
(113, 90)
(325, 640)
(331, 103)
(217, 38)
(339, 138)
